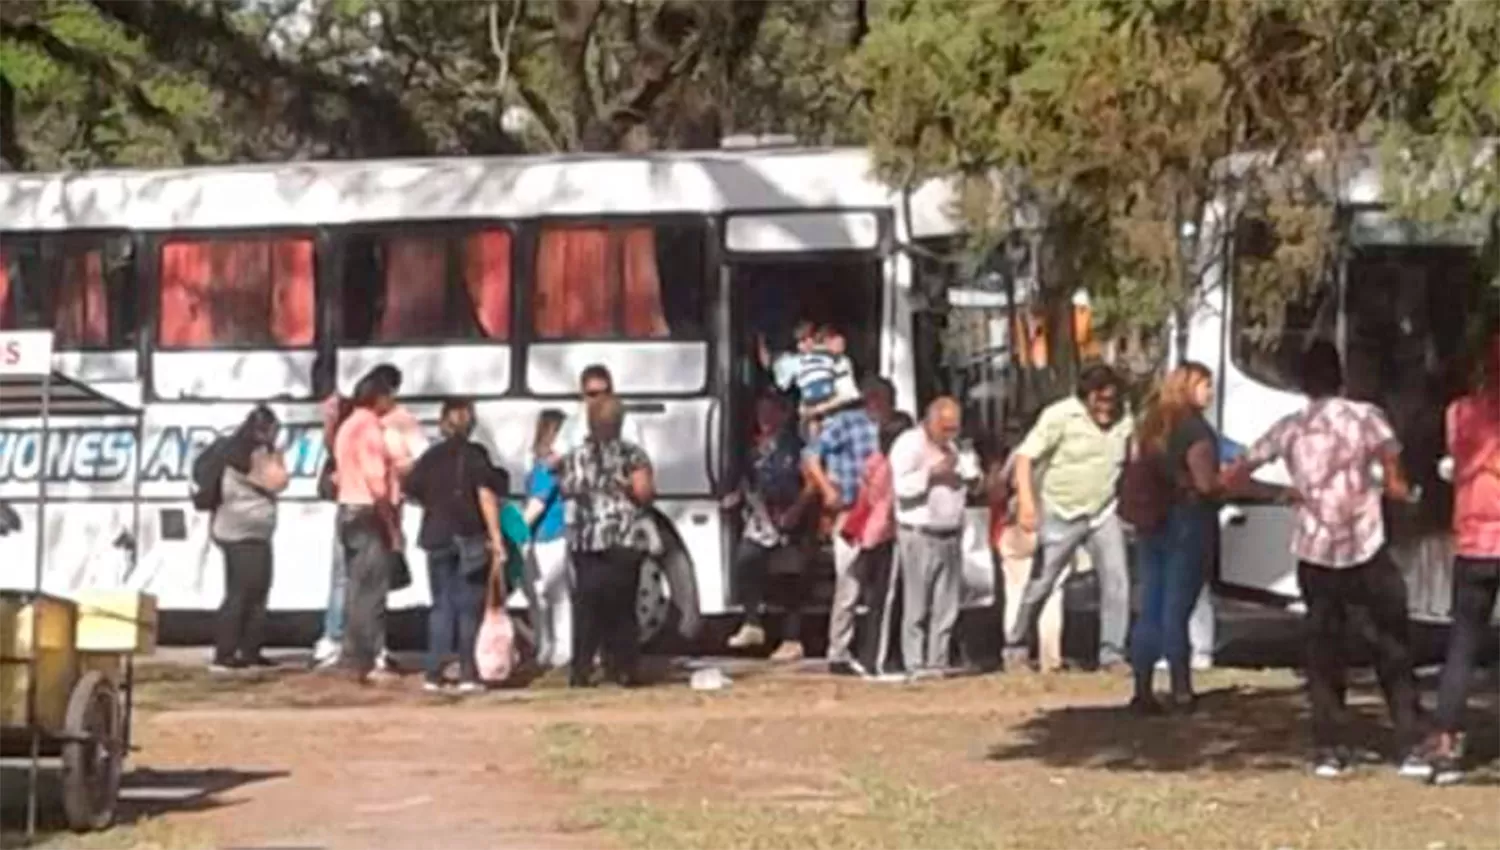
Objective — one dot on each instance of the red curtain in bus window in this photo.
(239, 291)
(7, 316)
(292, 294)
(577, 296)
(644, 317)
(416, 289)
(80, 313)
(487, 280)
(185, 319)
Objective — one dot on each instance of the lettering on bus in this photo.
(73, 454)
(98, 455)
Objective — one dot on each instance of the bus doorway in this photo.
(768, 297)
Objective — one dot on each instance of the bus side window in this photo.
(429, 288)
(245, 292)
(80, 287)
(636, 281)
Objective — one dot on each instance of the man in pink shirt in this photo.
(368, 521)
(1473, 426)
(1330, 448)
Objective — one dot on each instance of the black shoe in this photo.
(1446, 770)
(1183, 703)
(1146, 706)
(259, 662)
(1330, 764)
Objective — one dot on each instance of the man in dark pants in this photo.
(608, 483)
(368, 524)
(1340, 543)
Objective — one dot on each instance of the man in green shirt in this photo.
(1078, 446)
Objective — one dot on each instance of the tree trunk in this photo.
(12, 153)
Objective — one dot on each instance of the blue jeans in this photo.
(453, 619)
(338, 585)
(1171, 564)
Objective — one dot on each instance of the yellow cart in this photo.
(66, 676)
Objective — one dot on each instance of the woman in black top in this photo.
(1171, 556)
(459, 490)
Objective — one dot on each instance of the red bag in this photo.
(853, 529)
(495, 652)
(1146, 490)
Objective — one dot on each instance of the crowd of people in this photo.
(889, 493)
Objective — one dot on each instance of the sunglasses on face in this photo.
(595, 392)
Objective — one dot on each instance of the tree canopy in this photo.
(1116, 117)
(89, 83)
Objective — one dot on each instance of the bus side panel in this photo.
(86, 545)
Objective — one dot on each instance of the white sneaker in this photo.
(384, 662)
(747, 637)
(470, 688)
(1416, 767)
(433, 687)
(325, 653)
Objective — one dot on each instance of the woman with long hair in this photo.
(551, 577)
(242, 526)
(1176, 439)
(1473, 426)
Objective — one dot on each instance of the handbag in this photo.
(473, 555)
(328, 489)
(400, 571)
(495, 652)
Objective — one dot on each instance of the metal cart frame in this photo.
(96, 731)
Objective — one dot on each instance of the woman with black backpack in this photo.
(243, 523)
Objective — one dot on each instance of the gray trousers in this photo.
(931, 567)
(369, 562)
(846, 588)
(1058, 541)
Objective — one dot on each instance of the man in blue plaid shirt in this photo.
(835, 459)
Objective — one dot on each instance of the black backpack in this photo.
(208, 475)
(1146, 490)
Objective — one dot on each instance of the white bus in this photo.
(1399, 305)
(187, 295)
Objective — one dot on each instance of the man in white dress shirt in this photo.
(931, 494)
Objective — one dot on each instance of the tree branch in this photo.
(182, 36)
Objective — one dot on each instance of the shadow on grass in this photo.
(144, 794)
(1233, 729)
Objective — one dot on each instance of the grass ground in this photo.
(778, 760)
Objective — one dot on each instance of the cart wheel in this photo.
(91, 754)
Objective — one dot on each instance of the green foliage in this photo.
(118, 82)
(88, 93)
(1120, 115)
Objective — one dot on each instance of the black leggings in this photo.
(1475, 584)
(1377, 590)
(242, 614)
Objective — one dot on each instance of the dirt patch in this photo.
(782, 759)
